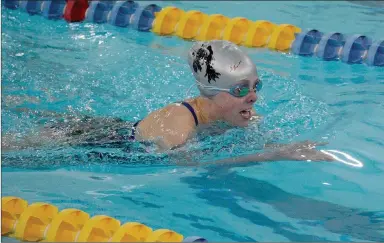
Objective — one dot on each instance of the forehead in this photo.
(249, 80)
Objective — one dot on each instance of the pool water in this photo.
(102, 70)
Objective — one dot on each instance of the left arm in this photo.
(303, 151)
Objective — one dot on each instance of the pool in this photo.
(102, 70)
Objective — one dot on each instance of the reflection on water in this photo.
(356, 223)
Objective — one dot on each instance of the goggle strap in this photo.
(207, 87)
(210, 87)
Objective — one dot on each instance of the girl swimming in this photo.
(228, 83)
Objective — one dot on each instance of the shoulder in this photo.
(181, 114)
(174, 126)
(173, 123)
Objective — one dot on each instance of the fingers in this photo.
(318, 156)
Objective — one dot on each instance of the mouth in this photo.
(246, 114)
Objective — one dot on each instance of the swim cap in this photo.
(219, 64)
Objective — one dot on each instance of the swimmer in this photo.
(228, 83)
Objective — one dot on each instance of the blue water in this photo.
(102, 70)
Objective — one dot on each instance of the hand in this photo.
(303, 151)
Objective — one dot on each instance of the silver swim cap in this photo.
(219, 64)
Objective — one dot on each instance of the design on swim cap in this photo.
(205, 54)
(235, 66)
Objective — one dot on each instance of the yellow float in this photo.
(259, 33)
(66, 226)
(236, 30)
(282, 37)
(190, 23)
(212, 28)
(33, 221)
(11, 209)
(166, 20)
(43, 222)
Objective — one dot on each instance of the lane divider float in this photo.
(196, 25)
(44, 222)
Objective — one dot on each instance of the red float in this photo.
(75, 10)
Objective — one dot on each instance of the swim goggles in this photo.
(238, 90)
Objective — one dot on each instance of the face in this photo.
(238, 110)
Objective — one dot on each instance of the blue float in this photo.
(31, 6)
(53, 9)
(109, 3)
(11, 4)
(121, 13)
(97, 12)
(194, 239)
(375, 55)
(330, 46)
(143, 17)
(305, 42)
(355, 49)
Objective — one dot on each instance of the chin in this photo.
(236, 121)
(245, 124)
(241, 123)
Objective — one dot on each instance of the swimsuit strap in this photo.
(132, 137)
(190, 108)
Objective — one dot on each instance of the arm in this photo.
(259, 157)
(303, 151)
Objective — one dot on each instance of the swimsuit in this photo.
(100, 131)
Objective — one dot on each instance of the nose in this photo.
(251, 97)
